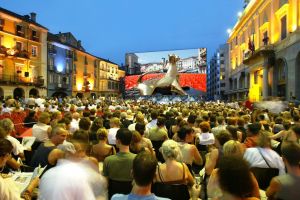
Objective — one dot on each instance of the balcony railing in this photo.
(35, 38)
(16, 79)
(22, 54)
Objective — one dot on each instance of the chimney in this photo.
(79, 43)
(33, 16)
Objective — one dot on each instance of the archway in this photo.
(79, 95)
(18, 93)
(281, 71)
(93, 95)
(59, 94)
(33, 92)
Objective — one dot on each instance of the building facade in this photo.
(265, 51)
(59, 67)
(217, 74)
(23, 55)
(132, 65)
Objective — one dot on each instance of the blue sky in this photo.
(111, 28)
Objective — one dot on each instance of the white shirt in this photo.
(112, 132)
(206, 138)
(254, 158)
(8, 190)
(40, 132)
(131, 127)
(17, 146)
(74, 125)
(72, 181)
(151, 124)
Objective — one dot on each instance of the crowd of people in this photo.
(129, 149)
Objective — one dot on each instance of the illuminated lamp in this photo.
(11, 52)
(79, 86)
(294, 27)
(59, 68)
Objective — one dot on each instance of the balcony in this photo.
(22, 54)
(35, 38)
(20, 33)
(18, 80)
(263, 51)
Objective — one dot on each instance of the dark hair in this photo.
(291, 152)
(296, 129)
(254, 128)
(223, 136)
(85, 123)
(144, 168)
(161, 121)
(140, 127)
(5, 147)
(235, 176)
(97, 123)
(233, 131)
(191, 119)
(81, 135)
(154, 114)
(183, 131)
(124, 135)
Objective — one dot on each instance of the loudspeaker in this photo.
(26, 74)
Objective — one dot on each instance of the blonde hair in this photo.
(170, 149)
(102, 133)
(233, 147)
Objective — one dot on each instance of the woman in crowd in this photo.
(7, 188)
(263, 156)
(102, 149)
(189, 151)
(97, 123)
(233, 181)
(172, 172)
(213, 157)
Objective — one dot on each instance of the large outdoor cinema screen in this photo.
(150, 67)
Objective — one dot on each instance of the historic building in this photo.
(109, 79)
(23, 55)
(264, 50)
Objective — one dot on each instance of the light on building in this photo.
(294, 27)
(229, 31)
(59, 68)
(79, 86)
(239, 14)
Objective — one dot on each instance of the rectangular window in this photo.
(19, 46)
(34, 51)
(255, 77)
(283, 27)
(58, 79)
(67, 80)
(51, 63)
(67, 67)
(19, 31)
(50, 78)
(34, 35)
(74, 80)
(1, 24)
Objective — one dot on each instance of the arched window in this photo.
(281, 71)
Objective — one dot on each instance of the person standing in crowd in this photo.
(286, 187)
(41, 130)
(143, 171)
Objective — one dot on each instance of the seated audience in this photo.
(233, 180)
(286, 187)
(143, 171)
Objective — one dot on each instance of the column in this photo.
(265, 82)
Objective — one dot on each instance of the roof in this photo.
(22, 17)
(55, 38)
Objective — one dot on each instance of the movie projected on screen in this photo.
(149, 67)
